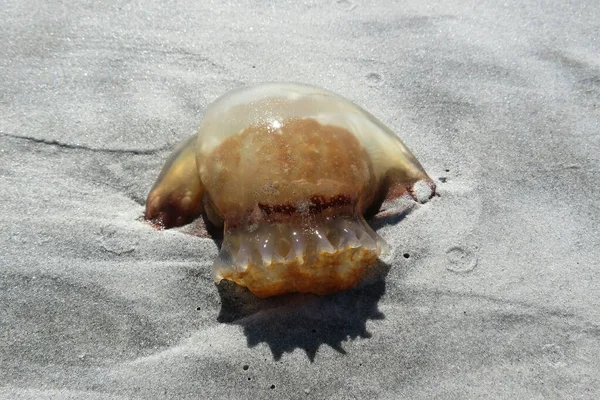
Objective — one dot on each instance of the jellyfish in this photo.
(288, 172)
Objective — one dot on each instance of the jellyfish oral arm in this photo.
(176, 197)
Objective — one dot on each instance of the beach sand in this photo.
(492, 289)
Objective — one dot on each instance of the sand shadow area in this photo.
(304, 321)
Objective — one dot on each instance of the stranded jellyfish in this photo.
(289, 172)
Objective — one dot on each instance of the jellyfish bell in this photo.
(288, 171)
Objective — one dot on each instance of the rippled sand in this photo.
(492, 288)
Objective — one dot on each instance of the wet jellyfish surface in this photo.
(289, 172)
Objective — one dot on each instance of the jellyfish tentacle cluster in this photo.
(288, 171)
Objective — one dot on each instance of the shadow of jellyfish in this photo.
(304, 321)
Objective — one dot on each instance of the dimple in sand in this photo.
(289, 172)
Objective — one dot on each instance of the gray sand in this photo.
(499, 296)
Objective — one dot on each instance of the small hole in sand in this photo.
(272, 386)
(314, 331)
(443, 179)
(406, 255)
(246, 367)
(447, 170)
(198, 308)
(249, 378)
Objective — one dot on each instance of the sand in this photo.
(492, 289)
